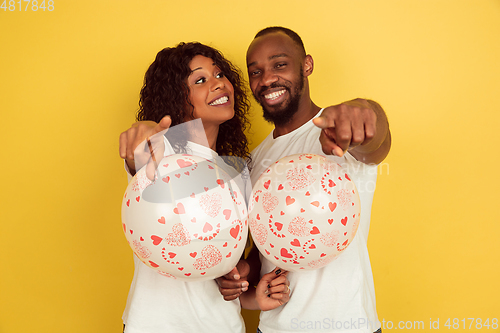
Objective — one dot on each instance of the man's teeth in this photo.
(274, 94)
(219, 101)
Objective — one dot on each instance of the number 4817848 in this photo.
(25, 5)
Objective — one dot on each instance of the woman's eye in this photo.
(220, 75)
(200, 80)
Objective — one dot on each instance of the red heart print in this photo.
(280, 187)
(347, 177)
(266, 184)
(268, 253)
(302, 210)
(228, 255)
(179, 237)
(210, 257)
(192, 195)
(207, 227)
(295, 242)
(180, 268)
(307, 193)
(225, 244)
(284, 253)
(186, 173)
(161, 220)
(153, 264)
(193, 220)
(282, 213)
(138, 198)
(211, 203)
(330, 221)
(166, 179)
(227, 213)
(331, 183)
(179, 209)
(128, 203)
(314, 231)
(278, 225)
(323, 254)
(312, 247)
(220, 182)
(183, 164)
(156, 240)
(178, 175)
(269, 202)
(235, 231)
(315, 203)
(344, 221)
(193, 254)
(332, 206)
(172, 255)
(289, 200)
(187, 274)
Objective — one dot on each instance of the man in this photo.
(339, 296)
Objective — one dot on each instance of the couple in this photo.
(193, 81)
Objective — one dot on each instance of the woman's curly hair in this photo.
(166, 92)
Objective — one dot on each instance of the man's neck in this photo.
(307, 110)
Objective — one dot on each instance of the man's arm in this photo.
(358, 126)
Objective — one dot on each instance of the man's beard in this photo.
(284, 113)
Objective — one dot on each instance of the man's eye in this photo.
(254, 73)
(200, 80)
(280, 65)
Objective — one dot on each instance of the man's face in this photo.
(276, 77)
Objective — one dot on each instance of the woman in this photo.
(187, 82)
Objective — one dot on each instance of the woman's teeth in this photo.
(219, 101)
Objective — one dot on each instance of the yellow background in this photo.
(69, 84)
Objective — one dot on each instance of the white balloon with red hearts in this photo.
(304, 212)
(190, 223)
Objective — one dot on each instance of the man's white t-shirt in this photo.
(159, 304)
(339, 297)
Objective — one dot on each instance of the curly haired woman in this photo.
(187, 82)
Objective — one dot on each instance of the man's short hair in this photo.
(292, 34)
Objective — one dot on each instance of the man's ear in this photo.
(308, 65)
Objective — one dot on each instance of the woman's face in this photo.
(210, 92)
